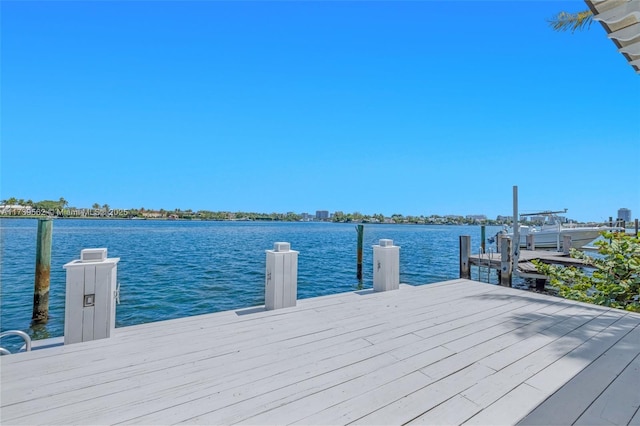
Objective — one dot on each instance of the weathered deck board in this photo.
(620, 402)
(445, 353)
(525, 257)
(570, 402)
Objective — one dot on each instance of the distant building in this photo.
(152, 215)
(322, 214)
(476, 217)
(305, 217)
(624, 214)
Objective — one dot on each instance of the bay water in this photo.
(172, 269)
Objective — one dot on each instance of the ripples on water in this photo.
(171, 269)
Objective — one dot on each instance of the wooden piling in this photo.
(465, 252)
(515, 243)
(483, 238)
(636, 223)
(566, 244)
(43, 272)
(360, 230)
(505, 262)
(531, 242)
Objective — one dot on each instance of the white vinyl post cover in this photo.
(386, 266)
(281, 277)
(90, 299)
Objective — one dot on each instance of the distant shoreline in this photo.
(629, 225)
(165, 219)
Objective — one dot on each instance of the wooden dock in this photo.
(525, 267)
(457, 352)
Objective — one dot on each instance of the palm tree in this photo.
(63, 203)
(564, 21)
(95, 206)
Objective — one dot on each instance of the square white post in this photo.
(90, 299)
(281, 279)
(386, 266)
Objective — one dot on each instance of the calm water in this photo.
(171, 269)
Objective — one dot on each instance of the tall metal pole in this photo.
(43, 272)
(360, 230)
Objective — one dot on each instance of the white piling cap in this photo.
(386, 243)
(281, 246)
(93, 255)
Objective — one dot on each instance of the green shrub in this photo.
(610, 279)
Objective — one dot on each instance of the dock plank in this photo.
(445, 353)
(619, 403)
(570, 402)
(486, 392)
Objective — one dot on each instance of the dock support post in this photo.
(281, 278)
(386, 266)
(40, 313)
(505, 262)
(531, 242)
(360, 230)
(566, 244)
(465, 252)
(499, 237)
(636, 223)
(483, 238)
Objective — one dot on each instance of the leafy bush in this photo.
(610, 279)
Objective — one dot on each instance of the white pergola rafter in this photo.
(621, 21)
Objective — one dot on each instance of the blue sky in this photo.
(379, 107)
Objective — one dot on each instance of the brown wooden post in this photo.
(465, 253)
(483, 238)
(531, 242)
(360, 230)
(43, 272)
(636, 234)
(505, 262)
(566, 244)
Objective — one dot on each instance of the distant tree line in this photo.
(60, 208)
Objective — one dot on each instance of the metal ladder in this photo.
(25, 337)
(488, 267)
